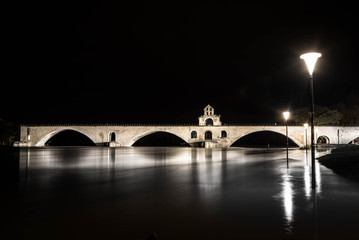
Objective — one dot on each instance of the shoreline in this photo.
(343, 161)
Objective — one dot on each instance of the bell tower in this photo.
(209, 118)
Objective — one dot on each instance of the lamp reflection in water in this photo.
(306, 173)
(287, 200)
(307, 178)
(318, 178)
(316, 192)
(312, 194)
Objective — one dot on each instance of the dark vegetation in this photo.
(343, 161)
(343, 113)
(8, 132)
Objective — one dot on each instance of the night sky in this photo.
(163, 63)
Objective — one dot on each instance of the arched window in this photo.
(208, 135)
(193, 134)
(112, 137)
(209, 122)
(223, 134)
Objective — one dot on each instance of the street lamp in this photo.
(310, 60)
(306, 128)
(286, 116)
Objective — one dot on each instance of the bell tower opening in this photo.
(208, 110)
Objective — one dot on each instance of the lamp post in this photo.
(286, 116)
(310, 60)
(306, 128)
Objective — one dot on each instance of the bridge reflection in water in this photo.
(192, 192)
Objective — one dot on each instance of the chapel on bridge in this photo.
(209, 118)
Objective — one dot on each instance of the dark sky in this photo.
(163, 63)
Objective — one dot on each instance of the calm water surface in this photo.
(178, 193)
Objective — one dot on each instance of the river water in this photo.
(178, 193)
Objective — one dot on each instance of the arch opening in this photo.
(209, 122)
(69, 138)
(112, 137)
(223, 134)
(264, 139)
(323, 140)
(162, 139)
(208, 135)
(355, 141)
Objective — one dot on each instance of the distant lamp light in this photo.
(305, 125)
(286, 115)
(310, 60)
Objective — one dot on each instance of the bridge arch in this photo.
(323, 140)
(48, 136)
(148, 133)
(354, 141)
(260, 131)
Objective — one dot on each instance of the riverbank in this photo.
(343, 161)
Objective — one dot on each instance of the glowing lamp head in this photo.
(286, 115)
(305, 125)
(310, 59)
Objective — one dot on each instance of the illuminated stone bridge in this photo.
(208, 133)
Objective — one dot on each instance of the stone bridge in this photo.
(209, 133)
(207, 136)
